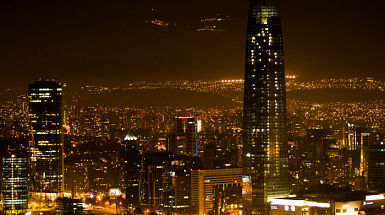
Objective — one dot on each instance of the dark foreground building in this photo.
(265, 155)
(69, 206)
(186, 136)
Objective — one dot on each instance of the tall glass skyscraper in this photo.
(45, 112)
(186, 132)
(15, 179)
(265, 155)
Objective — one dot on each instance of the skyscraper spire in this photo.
(265, 155)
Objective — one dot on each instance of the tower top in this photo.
(46, 79)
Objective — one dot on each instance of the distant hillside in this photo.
(336, 95)
(185, 98)
(158, 98)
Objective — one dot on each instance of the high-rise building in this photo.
(15, 179)
(376, 165)
(45, 111)
(171, 143)
(265, 155)
(186, 136)
(151, 185)
(132, 166)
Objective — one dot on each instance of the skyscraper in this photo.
(132, 168)
(376, 167)
(186, 135)
(15, 178)
(265, 155)
(45, 111)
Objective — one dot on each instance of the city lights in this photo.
(192, 108)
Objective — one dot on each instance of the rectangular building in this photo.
(15, 183)
(45, 112)
(205, 184)
(186, 136)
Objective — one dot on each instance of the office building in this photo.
(152, 177)
(46, 148)
(186, 137)
(133, 167)
(217, 190)
(76, 178)
(15, 180)
(376, 166)
(171, 143)
(265, 155)
(179, 182)
(69, 206)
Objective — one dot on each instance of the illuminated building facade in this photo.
(179, 183)
(298, 206)
(335, 203)
(366, 140)
(209, 188)
(45, 111)
(15, 182)
(265, 155)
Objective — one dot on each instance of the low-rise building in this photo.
(216, 189)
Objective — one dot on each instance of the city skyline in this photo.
(112, 43)
(222, 138)
(318, 140)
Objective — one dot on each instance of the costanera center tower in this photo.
(264, 155)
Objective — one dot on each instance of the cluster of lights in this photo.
(159, 22)
(292, 208)
(235, 80)
(375, 197)
(300, 203)
(290, 76)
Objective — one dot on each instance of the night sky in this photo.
(113, 43)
